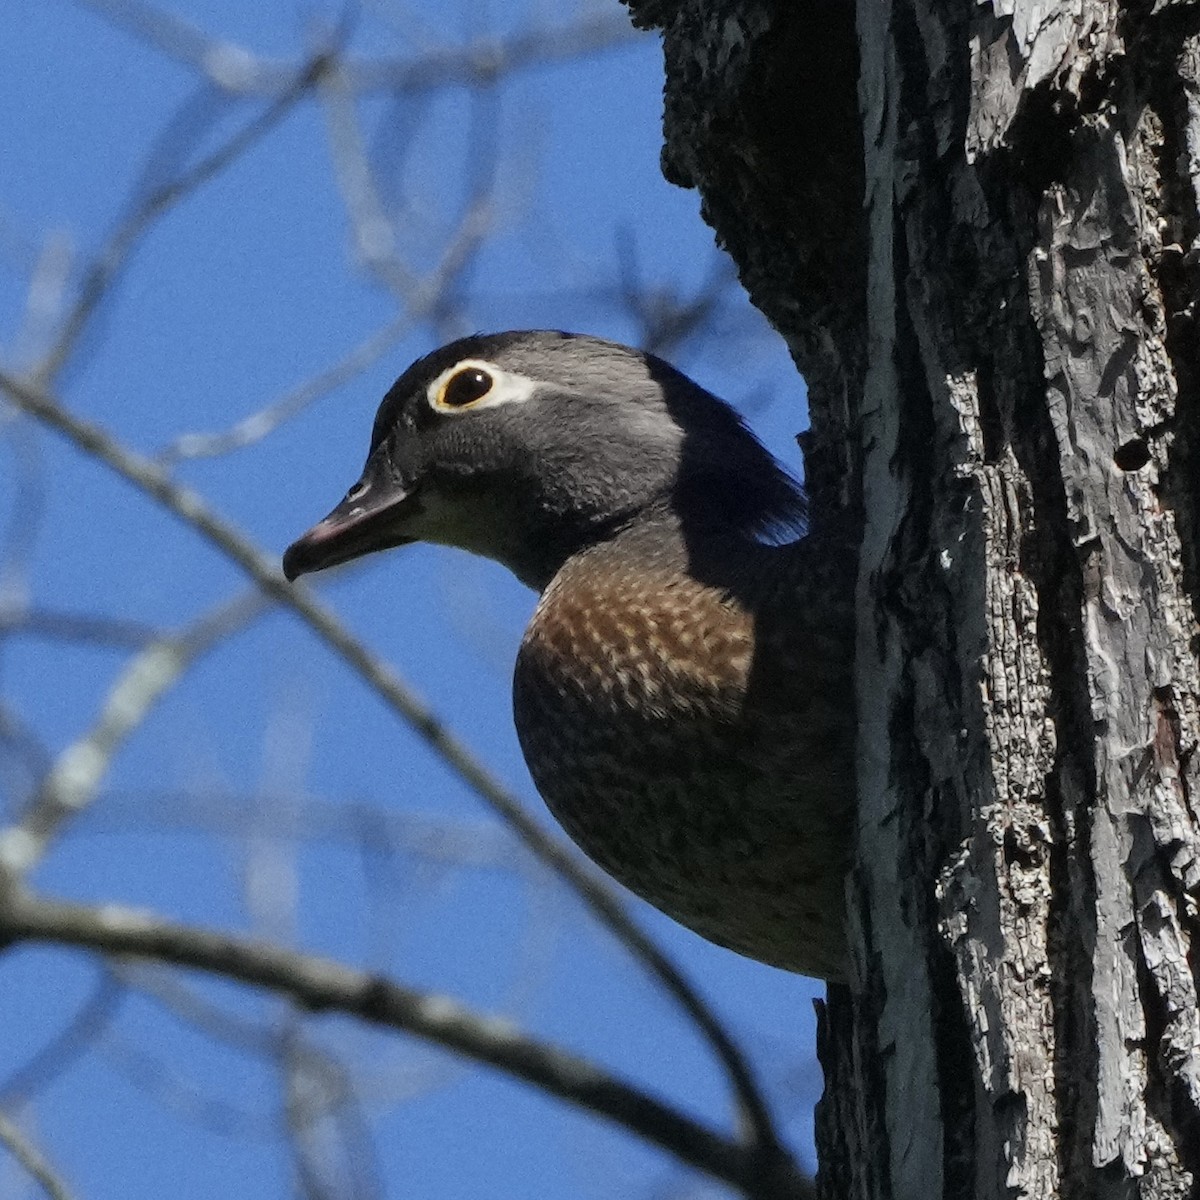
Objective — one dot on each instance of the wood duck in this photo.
(682, 694)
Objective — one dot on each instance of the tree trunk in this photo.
(976, 226)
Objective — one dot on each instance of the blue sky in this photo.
(241, 293)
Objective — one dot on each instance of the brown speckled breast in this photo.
(680, 725)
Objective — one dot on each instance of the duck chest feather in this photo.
(686, 739)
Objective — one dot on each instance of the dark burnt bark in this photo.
(976, 226)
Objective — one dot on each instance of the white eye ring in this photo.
(506, 387)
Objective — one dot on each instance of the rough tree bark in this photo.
(976, 226)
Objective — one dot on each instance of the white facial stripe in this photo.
(507, 387)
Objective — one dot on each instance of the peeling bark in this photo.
(976, 226)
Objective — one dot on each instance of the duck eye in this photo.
(465, 387)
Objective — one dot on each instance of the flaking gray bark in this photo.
(977, 228)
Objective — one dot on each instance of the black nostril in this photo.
(359, 490)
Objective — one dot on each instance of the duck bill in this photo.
(367, 520)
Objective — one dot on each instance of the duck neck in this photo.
(658, 540)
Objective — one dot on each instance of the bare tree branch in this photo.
(320, 986)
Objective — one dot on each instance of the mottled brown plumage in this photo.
(682, 693)
(689, 734)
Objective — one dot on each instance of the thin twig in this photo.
(69, 1044)
(108, 263)
(253, 428)
(165, 986)
(132, 1057)
(175, 38)
(23, 740)
(19, 539)
(486, 61)
(597, 895)
(31, 1159)
(423, 297)
(375, 234)
(481, 62)
(313, 1097)
(360, 826)
(72, 782)
(49, 280)
(665, 319)
(116, 632)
